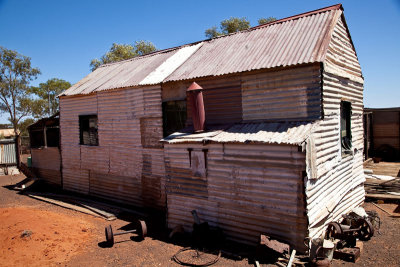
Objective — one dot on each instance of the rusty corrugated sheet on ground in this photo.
(292, 41)
(294, 133)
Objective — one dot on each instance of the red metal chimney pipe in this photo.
(195, 97)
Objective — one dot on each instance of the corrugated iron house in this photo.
(281, 153)
(44, 136)
(382, 133)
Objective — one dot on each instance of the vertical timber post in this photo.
(17, 151)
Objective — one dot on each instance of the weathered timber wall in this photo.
(335, 185)
(249, 190)
(46, 163)
(127, 166)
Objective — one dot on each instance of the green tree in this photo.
(228, 26)
(23, 126)
(233, 24)
(120, 52)
(266, 20)
(16, 73)
(47, 104)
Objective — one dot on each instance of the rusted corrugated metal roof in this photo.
(145, 70)
(293, 133)
(291, 41)
(282, 43)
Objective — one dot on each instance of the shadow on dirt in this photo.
(203, 238)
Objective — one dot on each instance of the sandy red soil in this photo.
(54, 238)
(63, 237)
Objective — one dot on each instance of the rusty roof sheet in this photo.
(292, 133)
(294, 40)
(145, 70)
(283, 43)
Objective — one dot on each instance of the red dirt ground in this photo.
(62, 237)
(55, 238)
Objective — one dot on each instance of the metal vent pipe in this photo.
(195, 97)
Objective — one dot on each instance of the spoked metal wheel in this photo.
(334, 230)
(366, 229)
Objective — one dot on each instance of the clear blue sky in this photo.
(62, 37)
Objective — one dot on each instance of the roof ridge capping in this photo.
(309, 13)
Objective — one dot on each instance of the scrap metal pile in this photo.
(343, 240)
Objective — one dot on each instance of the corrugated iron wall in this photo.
(386, 132)
(226, 89)
(46, 163)
(281, 94)
(121, 167)
(336, 184)
(249, 190)
(286, 94)
(8, 152)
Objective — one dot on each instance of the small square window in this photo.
(345, 126)
(88, 130)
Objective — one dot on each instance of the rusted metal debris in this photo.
(141, 230)
(345, 235)
(360, 228)
(347, 254)
(273, 244)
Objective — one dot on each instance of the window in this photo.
(53, 136)
(174, 116)
(88, 130)
(44, 137)
(345, 126)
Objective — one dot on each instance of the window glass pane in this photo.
(345, 125)
(88, 130)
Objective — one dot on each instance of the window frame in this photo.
(91, 130)
(175, 110)
(345, 127)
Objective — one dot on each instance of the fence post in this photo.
(17, 150)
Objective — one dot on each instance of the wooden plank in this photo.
(382, 196)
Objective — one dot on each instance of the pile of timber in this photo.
(386, 188)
